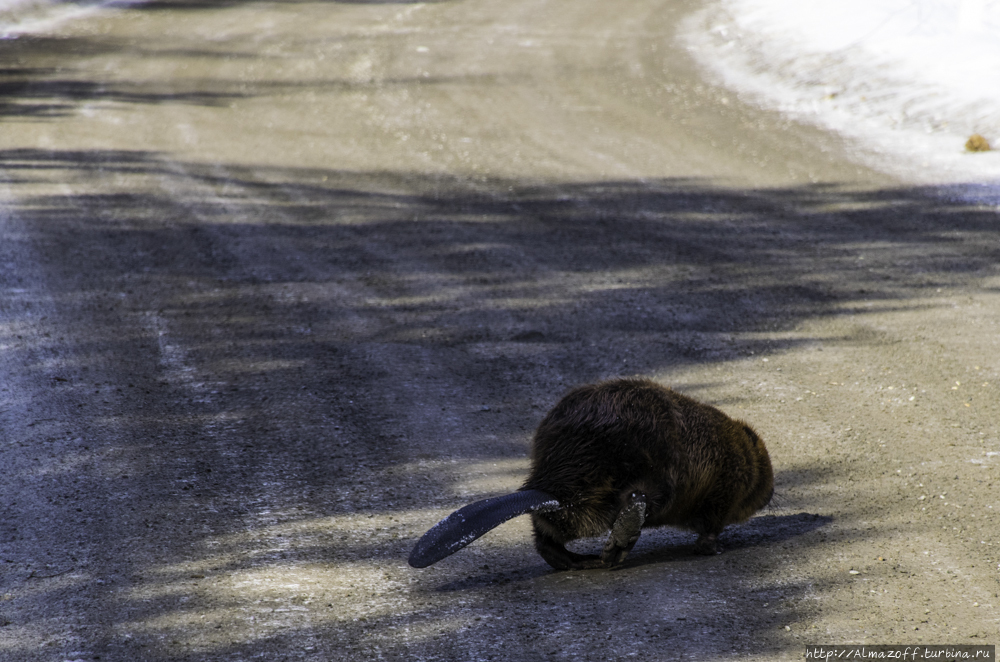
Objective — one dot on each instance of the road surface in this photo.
(285, 283)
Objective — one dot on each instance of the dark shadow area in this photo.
(53, 85)
(659, 546)
(531, 571)
(759, 532)
(64, 95)
(51, 95)
(769, 529)
(69, 92)
(259, 356)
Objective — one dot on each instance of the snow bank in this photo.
(908, 81)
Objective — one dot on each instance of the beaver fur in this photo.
(622, 455)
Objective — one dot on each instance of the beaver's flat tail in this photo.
(468, 523)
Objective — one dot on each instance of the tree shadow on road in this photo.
(259, 373)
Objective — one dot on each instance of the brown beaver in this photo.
(622, 455)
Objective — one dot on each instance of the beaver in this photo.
(622, 455)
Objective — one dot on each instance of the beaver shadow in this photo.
(767, 529)
(498, 578)
(759, 531)
(665, 546)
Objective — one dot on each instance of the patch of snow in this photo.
(908, 82)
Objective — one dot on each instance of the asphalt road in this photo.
(285, 283)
